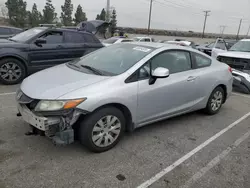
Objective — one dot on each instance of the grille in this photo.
(236, 63)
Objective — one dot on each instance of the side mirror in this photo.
(40, 41)
(159, 72)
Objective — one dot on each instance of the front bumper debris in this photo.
(56, 127)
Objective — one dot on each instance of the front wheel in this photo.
(12, 71)
(102, 130)
(215, 101)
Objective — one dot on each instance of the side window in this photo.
(126, 40)
(4, 31)
(175, 61)
(201, 61)
(53, 37)
(74, 37)
(221, 45)
(147, 40)
(16, 31)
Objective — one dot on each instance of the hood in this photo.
(57, 81)
(243, 55)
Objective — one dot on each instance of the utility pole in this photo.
(248, 31)
(238, 30)
(108, 11)
(149, 17)
(222, 29)
(205, 21)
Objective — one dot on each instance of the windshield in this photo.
(110, 40)
(137, 39)
(241, 46)
(211, 45)
(115, 59)
(26, 35)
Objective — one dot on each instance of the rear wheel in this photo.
(103, 129)
(12, 71)
(215, 101)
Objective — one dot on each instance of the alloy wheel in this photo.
(106, 131)
(216, 101)
(10, 71)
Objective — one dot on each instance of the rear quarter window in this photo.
(90, 38)
(201, 61)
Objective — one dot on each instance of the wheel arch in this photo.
(224, 87)
(17, 58)
(126, 112)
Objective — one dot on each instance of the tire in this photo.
(17, 71)
(244, 89)
(89, 137)
(210, 109)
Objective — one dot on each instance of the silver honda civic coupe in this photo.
(121, 87)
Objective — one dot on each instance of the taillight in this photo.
(230, 69)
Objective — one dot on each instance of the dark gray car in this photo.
(42, 47)
(6, 32)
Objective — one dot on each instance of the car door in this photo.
(219, 46)
(167, 96)
(51, 53)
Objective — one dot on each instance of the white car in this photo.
(143, 39)
(238, 58)
(115, 40)
(182, 43)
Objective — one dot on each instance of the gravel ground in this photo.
(34, 162)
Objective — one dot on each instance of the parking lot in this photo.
(194, 150)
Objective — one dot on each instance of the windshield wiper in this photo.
(96, 71)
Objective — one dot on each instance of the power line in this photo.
(205, 21)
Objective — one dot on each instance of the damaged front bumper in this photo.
(55, 125)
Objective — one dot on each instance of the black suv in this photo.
(42, 47)
(6, 32)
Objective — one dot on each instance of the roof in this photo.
(157, 45)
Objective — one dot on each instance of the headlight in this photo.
(57, 105)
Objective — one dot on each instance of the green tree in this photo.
(103, 15)
(66, 14)
(97, 17)
(113, 22)
(17, 12)
(79, 15)
(34, 17)
(49, 14)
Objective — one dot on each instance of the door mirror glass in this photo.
(160, 72)
(40, 41)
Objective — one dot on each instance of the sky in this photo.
(169, 14)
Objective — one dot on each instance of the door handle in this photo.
(191, 78)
